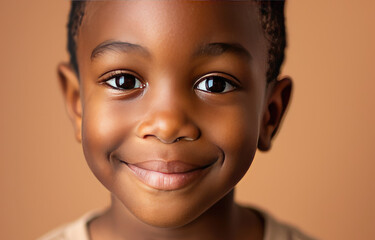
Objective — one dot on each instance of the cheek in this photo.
(236, 133)
(104, 127)
(239, 131)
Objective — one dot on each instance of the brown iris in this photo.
(216, 84)
(125, 81)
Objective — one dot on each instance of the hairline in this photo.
(275, 52)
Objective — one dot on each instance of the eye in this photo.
(215, 84)
(124, 81)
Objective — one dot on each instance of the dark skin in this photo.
(188, 86)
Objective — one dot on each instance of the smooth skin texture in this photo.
(173, 81)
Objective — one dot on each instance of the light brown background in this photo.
(319, 175)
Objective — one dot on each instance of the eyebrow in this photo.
(118, 46)
(216, 49)
(210, 49)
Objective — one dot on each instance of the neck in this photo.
(221, 221)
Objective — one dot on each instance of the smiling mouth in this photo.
(167, 176)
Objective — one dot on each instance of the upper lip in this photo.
(167, 166)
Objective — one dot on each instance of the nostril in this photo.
(169, 141)
(168, 127)
(184, 138)
(146, 136)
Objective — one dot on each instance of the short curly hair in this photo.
(272, 19)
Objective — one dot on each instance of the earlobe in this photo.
(278, 96)
(69, 84)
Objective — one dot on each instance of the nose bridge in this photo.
(168, 110)
(168, 117)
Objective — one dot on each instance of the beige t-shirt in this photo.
(77, 230)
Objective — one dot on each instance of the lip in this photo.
(167, 176)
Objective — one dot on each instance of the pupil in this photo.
(215, 84)
(125, 81)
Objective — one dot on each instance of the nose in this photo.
(168, 123)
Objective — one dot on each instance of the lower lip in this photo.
(166, 181)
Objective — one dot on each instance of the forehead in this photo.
(172, 27)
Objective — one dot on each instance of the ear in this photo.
(69, 84)
(278, 96)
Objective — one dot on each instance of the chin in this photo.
(165, 217)
(167, 213)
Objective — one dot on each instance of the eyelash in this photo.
(118, 78)
(209, 81)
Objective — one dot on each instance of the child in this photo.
(170, 100)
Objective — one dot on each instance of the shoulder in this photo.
(72, 231)
(276, 230)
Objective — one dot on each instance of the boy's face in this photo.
(171, 107)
